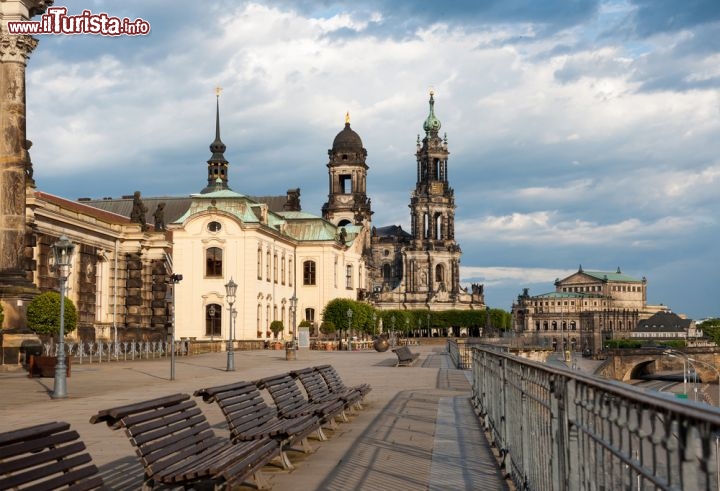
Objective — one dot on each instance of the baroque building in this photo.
(420, 269)
(586, 309)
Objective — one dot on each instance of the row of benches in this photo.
(175, 442)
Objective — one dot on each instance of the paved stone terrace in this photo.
(417, 430)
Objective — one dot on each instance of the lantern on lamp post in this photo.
(62, 252)
(230, 290)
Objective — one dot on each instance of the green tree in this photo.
(277, 327)
(327, 327)
(711, 328)
(43, 314)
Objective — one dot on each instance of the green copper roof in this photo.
(610, 276)
(431, 124)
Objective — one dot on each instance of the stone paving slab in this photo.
(416, 431)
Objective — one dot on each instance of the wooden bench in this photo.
(337, 386)
(291, 402)
(46, 456)
(176, 445)
(318, 391)
(405, 356)
(250, 418)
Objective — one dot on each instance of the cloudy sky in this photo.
(581, 132)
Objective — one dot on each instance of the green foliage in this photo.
(711, 328)
(673, 343)
(43, 314)
(623, 343)
(276, 327)
(305, 323)
(327, 327)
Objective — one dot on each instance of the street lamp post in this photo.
(428, 326)
(374, 317)
(710, 366)
(293, 310)
(349, 315)
(174, 280)
(230, 290)
(62, 252)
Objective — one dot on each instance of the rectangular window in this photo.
(282, 267)
(349, 276)
(213, 262)
(291, 272)
(267, 265)
(275, 268)
(309, 273)
(259, 263)
(310, 315)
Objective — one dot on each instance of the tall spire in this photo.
(217, 165)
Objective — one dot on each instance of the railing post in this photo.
(557, 434)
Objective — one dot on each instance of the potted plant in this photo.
(327, 328)
(277, 327)
(43, 317)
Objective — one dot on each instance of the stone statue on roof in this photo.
(159, 216)
(137, 215)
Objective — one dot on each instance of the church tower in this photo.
(432, 217)
(421, 269)
(347, 172)
(217, 166)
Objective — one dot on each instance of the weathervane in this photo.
(218, 91)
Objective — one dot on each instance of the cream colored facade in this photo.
(271, 256)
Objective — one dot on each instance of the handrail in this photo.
(559, 429)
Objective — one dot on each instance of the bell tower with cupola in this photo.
(347, 203)
(217, 166)
(432, 203)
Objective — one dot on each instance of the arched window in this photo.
(213, 320)
(439, 273)
(438, 226)
(213, 262)
(387, 271)
(309, 273)
(554, 326)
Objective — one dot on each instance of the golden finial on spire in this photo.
(218, 91)
(432, 91)
(347, 117)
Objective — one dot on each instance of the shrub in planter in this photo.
(43, 314)
(327, 327)
(277, 327)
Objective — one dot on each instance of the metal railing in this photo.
(558, 429)
(99, 351)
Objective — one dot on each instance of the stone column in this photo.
(15, 290)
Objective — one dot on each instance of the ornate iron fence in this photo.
(557, 429)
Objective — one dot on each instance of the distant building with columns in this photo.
(586, 309)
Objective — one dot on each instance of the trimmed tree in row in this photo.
(365, 319)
